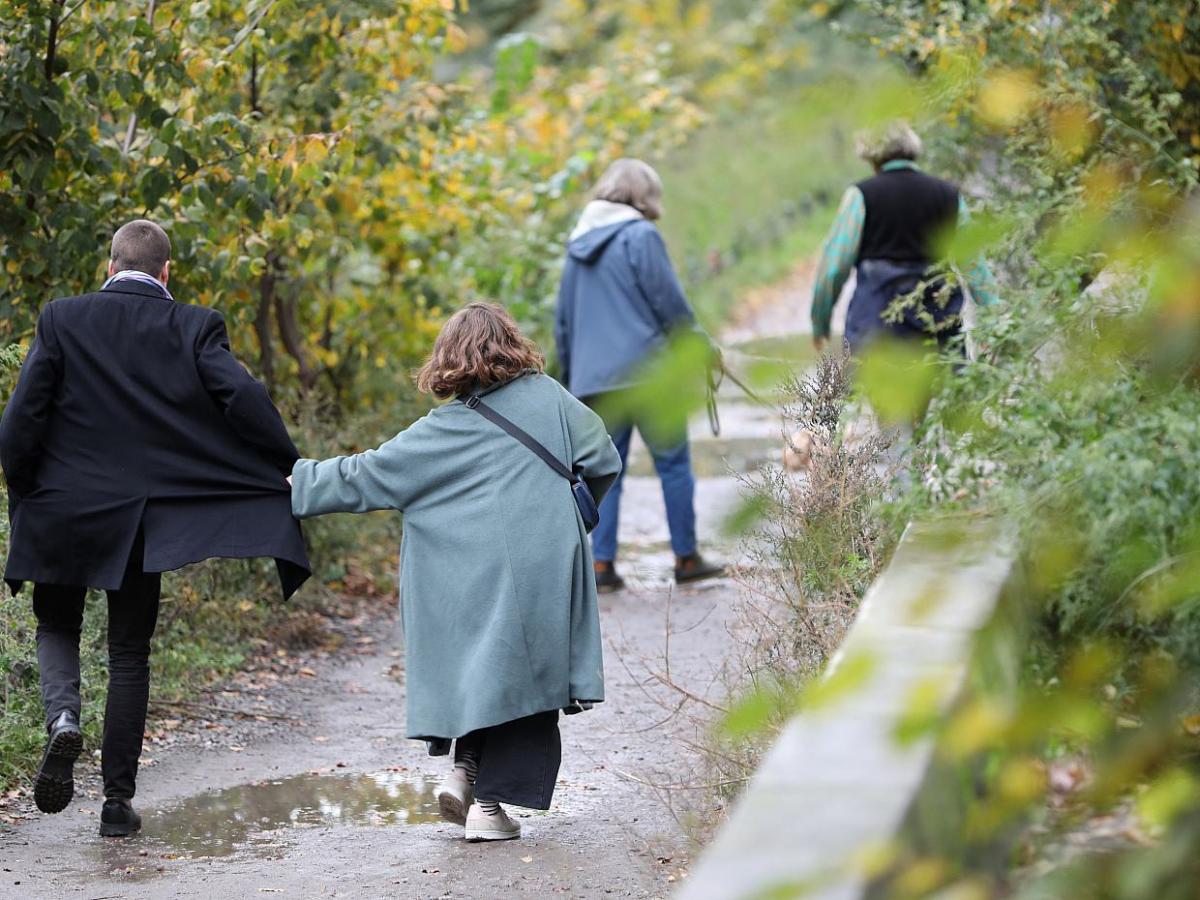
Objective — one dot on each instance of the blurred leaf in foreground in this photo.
(897, 378)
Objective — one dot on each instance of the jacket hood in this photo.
(599, 224)
(588, 248)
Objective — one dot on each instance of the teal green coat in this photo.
(497, 594)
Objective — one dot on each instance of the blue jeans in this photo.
(674, 467)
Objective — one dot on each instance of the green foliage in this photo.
(1070, 122)
(1078, 420)
(516, 58)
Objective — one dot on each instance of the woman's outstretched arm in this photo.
(376, 479)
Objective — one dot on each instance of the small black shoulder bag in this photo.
(579, 489)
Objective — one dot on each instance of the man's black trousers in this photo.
(132, 615)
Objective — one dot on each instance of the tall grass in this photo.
(755, 190)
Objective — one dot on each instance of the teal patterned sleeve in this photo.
(978, 274)
(838, 256)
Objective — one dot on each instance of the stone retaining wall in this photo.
(839, 792)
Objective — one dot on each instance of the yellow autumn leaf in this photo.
(456, 39)
(1007, 97)
(315, 150)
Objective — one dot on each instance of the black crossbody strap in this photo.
(473, 402)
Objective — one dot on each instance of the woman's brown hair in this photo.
(479, 346)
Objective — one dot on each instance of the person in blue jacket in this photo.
(618, 305)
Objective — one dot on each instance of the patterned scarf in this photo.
(134, 275)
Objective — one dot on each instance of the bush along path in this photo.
(305, 786)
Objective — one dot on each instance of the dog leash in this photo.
(716, 376)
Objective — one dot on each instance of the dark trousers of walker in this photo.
(132, 615)
(518, 760)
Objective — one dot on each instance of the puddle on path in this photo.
(256, 819)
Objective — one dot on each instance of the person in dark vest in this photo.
(619, 303)
(886, 230)
(134, 443)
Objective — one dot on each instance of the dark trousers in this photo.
(132, 615)
(518, 760)
(880, 282)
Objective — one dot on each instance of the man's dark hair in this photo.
(141, 246)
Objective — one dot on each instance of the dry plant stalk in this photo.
(821, 538)
(820, 541)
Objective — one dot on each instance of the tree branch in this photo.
(248, 30)
(132, 129)
(70, 12)
(52, 42)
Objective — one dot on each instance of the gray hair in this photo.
(896, 140)
(141, 246)
(634, 183)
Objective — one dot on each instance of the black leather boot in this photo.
(54, 785)
(119, 819)
(607, 579)
(697, 568)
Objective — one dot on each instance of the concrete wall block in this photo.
(856, 784)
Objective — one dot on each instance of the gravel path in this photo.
(322, 797)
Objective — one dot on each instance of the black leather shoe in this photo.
(607, 580)
(54, 785)
(697, 568)
(119, 819)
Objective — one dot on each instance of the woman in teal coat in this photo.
(497, 596)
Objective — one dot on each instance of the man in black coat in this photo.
(133, 444)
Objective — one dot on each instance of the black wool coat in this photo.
(132, 413)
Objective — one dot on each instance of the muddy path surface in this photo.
(320, 795)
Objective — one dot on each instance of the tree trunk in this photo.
(254, 107)
(293, 342)
(262, 322)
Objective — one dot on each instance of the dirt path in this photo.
(332, 801)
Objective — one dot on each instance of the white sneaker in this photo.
(496, 827)
(455, 796)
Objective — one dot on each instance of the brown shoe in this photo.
(697, 568)
(607, 579)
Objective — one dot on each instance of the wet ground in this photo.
(327, 799)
